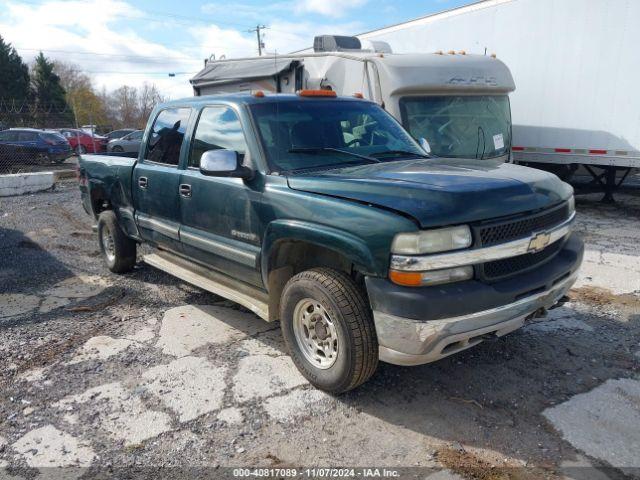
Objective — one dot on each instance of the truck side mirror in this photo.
(425, 145)
(223, 163)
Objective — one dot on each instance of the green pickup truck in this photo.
(323, 213)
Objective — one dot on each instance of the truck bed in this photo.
(109, 175)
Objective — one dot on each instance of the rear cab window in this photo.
(218, 128)
(167, 136)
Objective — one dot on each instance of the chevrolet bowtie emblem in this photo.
(538, 242)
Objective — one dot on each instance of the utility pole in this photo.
(257, 30)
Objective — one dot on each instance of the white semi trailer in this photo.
(458, 103)
(576, 65)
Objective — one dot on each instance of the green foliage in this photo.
(56, 94)
(48, 94)
(47, 90)
(14, 75)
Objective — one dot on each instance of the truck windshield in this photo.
(313, 134)
(460, 126)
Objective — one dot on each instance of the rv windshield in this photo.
(313, 134)
(471, 126)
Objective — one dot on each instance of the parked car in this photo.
(129, 143)
(26, 145)
(325, 214)
(116, 134)
(83, 142)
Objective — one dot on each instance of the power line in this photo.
(120, 72)
(118, 55)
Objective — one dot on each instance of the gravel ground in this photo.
(109, 375)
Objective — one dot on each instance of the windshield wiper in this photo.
(399, 153)
(313, 150)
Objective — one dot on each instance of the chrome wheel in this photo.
(315, 333)
(108, 244)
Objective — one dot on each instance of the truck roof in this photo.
(249, 98)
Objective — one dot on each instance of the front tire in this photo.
(118, 250)
(328, 329)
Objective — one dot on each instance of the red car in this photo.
(83, 142)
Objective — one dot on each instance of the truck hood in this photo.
(440, 192)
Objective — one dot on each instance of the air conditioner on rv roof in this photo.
(336, 43)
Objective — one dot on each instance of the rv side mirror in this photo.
(223, 163)
(425, 145)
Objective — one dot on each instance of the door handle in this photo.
(143, 182)
(185, 190)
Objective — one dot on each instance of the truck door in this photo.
(219, 223)
(156, 179)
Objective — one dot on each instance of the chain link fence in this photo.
(40, 137)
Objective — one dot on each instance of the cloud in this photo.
(75, 30)
(62, 30)
(330, 8)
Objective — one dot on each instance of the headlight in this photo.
(433, 277)
(432, 241)
(572, 205)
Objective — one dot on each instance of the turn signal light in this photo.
(358, 95)
(258, 94)
(430, 278)
(317, 93)
(406, 279)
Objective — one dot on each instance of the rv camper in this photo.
(458, 102)
(576, 65)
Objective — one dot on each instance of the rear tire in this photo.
(118, 250)
(328, 329)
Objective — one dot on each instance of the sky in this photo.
(120, 42)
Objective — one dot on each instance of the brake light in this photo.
(317, 93)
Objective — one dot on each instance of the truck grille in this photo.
(514, 229)
(510, 266)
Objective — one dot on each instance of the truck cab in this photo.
(457, 102)
(325, 214)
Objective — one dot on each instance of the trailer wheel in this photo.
(118, 250)
(328, 329)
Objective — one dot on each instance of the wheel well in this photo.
(99, 202)
(291, 257)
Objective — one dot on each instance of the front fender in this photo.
(350, 246)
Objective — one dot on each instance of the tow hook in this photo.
(564, 299)
(489, 337)
(540, 313)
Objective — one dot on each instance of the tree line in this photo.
(51, 93)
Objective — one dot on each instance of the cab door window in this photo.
(167, 135)
(218, 128)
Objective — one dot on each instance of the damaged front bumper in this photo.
(421, 325)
